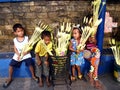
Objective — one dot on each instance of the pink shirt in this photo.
(89, 46)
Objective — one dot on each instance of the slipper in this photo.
(36, 79)
(80, 77)
(7, 83)
(73, 78)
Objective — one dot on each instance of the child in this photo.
(94, 61)
(76, 58)
(19, 41)
(42, 64)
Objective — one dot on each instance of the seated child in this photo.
(19, 41)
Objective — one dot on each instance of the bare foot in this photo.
(48, 83)
(41, 84)
(36, 79)
(98, 84)
(91, 81)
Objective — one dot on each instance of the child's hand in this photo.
(24, 53)
(78, 51)
(39, 62)
(18, 58)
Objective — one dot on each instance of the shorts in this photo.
(17, 64)
(42, 69)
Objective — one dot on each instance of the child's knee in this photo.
(77, 66)
(46, 63)
(73, 66)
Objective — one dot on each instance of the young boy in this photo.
(42, 64)
(19, 41)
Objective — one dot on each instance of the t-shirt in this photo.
(42, 49)
(19, 46)
(89, 46)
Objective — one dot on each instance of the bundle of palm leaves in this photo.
(35, 38)
(115, 46)
(62, 39)
(92, 24)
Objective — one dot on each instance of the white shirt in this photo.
(19, 46)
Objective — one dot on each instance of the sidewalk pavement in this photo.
(106, 80)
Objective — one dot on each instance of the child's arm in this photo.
(78, 51)
(38, 59)
(46, 61)
(24, 53)
(47, 55)
(70, 47)
(16, 51)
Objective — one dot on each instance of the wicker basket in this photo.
(60, 72)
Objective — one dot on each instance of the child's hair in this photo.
(17, 25)
(45, 33)
(80, 31)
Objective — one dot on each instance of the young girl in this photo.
(42, 64)
(76, 58)
(19, 41)
(94, 61)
